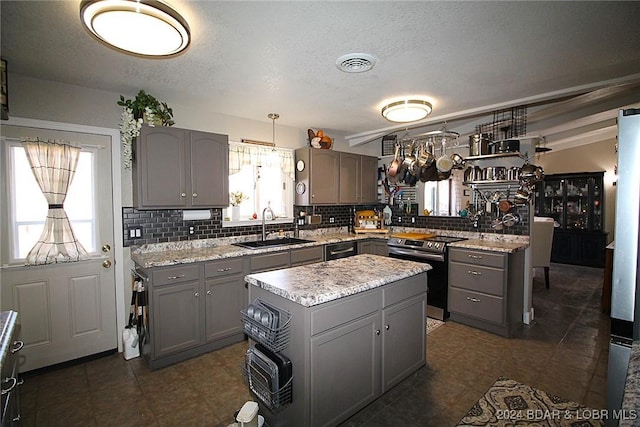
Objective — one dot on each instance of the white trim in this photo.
(116, 174)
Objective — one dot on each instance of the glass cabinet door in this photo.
(578, 207)
(597, 205)
(553, 200)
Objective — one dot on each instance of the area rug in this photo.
(433, 324)
(510, 403)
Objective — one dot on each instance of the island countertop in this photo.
(314, 284)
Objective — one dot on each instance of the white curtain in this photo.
(247, 154)
(53, 164)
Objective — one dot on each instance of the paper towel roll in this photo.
(192, 215)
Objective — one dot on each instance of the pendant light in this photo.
(273, 117)
(148, 28)
(407, 110)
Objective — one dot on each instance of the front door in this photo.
(68, 310)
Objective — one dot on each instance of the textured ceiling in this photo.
(248, 59)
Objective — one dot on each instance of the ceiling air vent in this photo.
(355, 62)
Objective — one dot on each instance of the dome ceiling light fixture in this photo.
(356, 62)
(147, 28)
(407, 110)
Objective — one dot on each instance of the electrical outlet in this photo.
(399, 219)
(135, 233)
(192, 229)
(332, 220)
(413, 220)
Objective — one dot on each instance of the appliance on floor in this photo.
(431, 249)
(625, 297)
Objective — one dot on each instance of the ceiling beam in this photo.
(586, 94)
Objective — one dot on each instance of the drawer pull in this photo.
(473, 299)
(222, 270)
(14, 383)
(175, 277)
(475, 256)
(475, 273)
(17, 346)
(197, 294)
(208, 292)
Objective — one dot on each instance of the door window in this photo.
(28, 207)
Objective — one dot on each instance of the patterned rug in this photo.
(433, 324)
(510, 403)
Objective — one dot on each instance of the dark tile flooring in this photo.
(563, 352)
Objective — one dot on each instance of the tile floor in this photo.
(564, 352)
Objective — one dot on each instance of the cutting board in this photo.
(414, 236)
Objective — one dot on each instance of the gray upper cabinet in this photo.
(179, 169)
(326, 177)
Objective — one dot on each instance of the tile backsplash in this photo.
(160, 226)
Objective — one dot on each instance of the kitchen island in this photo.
(355, 327)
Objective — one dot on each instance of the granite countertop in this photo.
(160, 255)
(314, 284)
(166, 254)
(631, 398)
(491, 245)
(7, 325)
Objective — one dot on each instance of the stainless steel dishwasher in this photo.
(340, 250)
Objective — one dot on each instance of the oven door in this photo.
(437, 278)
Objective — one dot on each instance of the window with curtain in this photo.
(28, 206)
(265, 176)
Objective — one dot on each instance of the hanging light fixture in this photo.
(273, 117)
(148, 28)
(407, 110)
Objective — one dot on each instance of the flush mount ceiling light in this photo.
(355, 62)
(407, 110)
(144, 28)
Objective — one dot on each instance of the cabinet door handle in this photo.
(208, 292)
(475, 273)
(473, 299)
(377, 331)
(194, 195)
(222, 270)
(183, 194)
(475, 256)
(197, 294)
(17, 346)
(175, 277)
(386, 327)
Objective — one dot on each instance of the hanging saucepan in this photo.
(458, 161)
(443, 176)
(429, 174)
(394, 166)
(425, 158)
(479, 144)
(522, 196)
(531, 173)
(506, 146)
(504, 205)
(444, 162)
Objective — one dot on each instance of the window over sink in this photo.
(259, 176)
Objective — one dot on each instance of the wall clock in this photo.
(301, 188)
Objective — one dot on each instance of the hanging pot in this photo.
(394, 166)
(429, 174)
(479, 144)
(444, 162)
(458, 161)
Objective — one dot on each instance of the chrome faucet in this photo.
(264, 230)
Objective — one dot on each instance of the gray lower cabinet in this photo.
(348, 352)
(192, 309)
(486, 289)
(373, 246)
(270, 261)
(307, 255)
(224, 293)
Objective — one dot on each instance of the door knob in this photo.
(106, 263)
(106, 248)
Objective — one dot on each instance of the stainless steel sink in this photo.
(257, 244)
